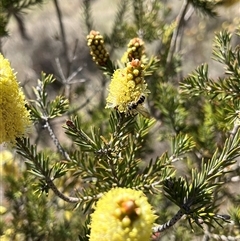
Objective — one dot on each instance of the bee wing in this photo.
(143, 111)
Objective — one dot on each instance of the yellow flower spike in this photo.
(97, 48)
(126, 89)
(14, 117)
(122, 214)
(136, 50)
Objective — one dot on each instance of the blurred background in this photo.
(43, 44)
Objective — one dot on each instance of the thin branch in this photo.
(21, 25)
(170, 223)
(60, 71)
(87, 15)
(180, 21)
(23, 149)
(74, 74)
(51, 185)
(63, 35)
(66, 198)
(234, 130)
(187, 16)
(118, 21)
(56, 141)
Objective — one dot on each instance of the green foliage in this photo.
(42, 108)
(112, 161)
(3, 24)
(196, 196)
(205, 7)
(195, 121)
(222, 94)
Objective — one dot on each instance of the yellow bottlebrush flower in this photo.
(136, 50)
(122, 214)
(128, 89)
(14, 117)
(97, 48)
(7, 164)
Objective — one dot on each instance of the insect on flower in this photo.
(141, 100)
(137, 106)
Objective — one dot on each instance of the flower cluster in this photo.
(14, 117)
(127, 87)
(97, 48)
(122, 214)
(136, 50)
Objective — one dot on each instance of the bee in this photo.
(138, 107)
(141, 100)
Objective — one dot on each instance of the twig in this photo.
(21, 25)
(179, 37)
(118, 21)
(55, 140)
(31, 155)
(180, 22)
(60, 70)
(51, 185)
(187, 16)
(62, 30)
(68, 81)
(64, 80)
(170, 223)
(234, 130)
(66, 198)
(87, 15)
